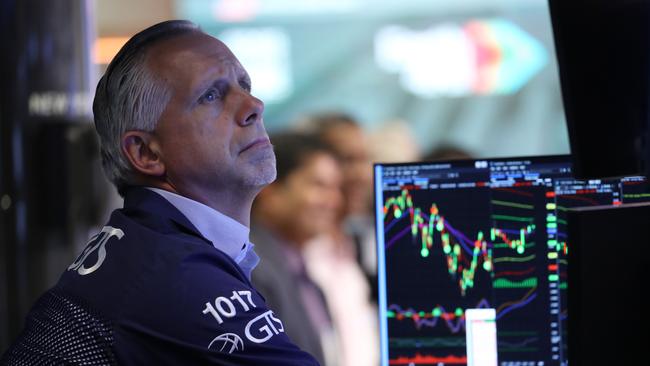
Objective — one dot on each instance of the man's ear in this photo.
(143, 151)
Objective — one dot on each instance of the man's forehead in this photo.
(194, 49)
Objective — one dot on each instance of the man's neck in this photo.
(236, 205)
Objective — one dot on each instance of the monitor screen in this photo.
(472, 258)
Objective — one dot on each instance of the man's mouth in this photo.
(259, 142)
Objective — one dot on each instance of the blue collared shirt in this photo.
(225, 233)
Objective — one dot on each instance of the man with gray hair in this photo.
(167, 280)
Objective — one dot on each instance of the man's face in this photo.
(310, 197)
(211, 134)
(350, 143)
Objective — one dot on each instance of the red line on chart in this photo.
(419, 359)
(514, 273)
(585, 199)
(631, 183)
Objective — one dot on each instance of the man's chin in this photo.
(269, 177)
(264, 174)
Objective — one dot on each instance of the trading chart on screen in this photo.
(472, 258)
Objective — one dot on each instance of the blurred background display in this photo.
(480, 75)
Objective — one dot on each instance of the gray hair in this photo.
(130, 97)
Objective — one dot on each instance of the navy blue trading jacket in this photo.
(171, 297)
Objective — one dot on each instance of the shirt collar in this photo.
(225, 233)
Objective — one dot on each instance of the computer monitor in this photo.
(472, 258)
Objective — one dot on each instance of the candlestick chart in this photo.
(471, 248)
(463, 256)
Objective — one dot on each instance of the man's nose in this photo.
(250, 109)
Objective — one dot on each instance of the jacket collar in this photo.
(152, 208)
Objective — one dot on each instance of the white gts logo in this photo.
(100, 246)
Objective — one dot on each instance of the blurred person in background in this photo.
(444, 152)
(345, 135)
(394, 141)
(331, 264)
(301, 205)
(346, 255)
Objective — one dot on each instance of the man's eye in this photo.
(210, 96)
(246, 86)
